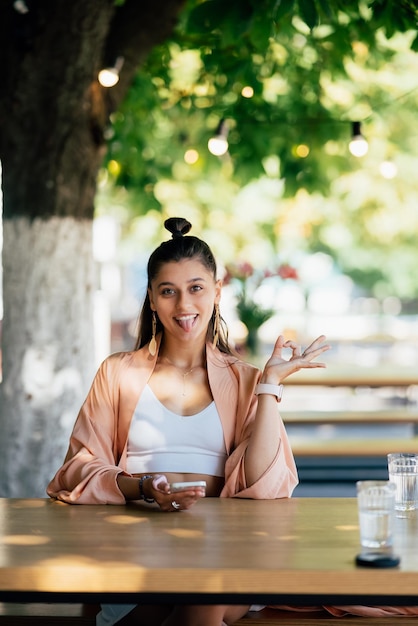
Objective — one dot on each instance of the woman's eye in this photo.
(167, 292)
(196, 288)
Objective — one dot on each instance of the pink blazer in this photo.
(98, 443)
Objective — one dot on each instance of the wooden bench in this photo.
(336, 375)
(351, 447)
(333, 466)
(80, 615)
(316, 418)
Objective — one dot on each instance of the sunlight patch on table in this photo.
(29, 504)
(125, 519)
(24, 540)
(184, 533)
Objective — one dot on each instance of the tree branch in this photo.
(136, 28)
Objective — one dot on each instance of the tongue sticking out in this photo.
(186, 323)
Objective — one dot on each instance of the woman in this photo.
(182, 385)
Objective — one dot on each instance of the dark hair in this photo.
(176, 249)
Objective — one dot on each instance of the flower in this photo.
(246, 279)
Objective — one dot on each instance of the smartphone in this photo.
(186, 485)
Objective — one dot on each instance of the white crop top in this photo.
(162, 441)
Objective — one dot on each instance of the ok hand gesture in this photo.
(277, 368)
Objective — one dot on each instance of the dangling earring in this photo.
(152, 348)
(216, 323)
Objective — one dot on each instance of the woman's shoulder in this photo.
(236, 364)
(126, 359)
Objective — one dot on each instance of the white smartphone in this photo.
(183, 486)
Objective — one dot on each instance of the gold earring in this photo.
(152, 348)
(216, 323)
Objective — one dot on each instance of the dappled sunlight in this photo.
(185, 68)
(184, 533)
(125, 520)
(35, 503)
(76, 574)
(24, 540)
(288, 537)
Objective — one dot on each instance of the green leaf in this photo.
(283, 8)
(261, 31)
(326, 9)
(308, 12)
(204, 18)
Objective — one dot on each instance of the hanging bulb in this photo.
(358, 145)
(218, 144)
(109, 76)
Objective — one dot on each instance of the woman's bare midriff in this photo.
(214, 484)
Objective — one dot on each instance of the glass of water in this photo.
(376, 510)
(403, 472)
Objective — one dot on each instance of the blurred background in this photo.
(286, 133)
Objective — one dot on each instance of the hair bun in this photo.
(177, 226)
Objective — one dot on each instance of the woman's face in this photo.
(183, 294)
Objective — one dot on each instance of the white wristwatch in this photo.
(274, 390)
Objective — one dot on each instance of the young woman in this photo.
(180, 407)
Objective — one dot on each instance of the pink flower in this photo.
(287, 271)
(245, 270)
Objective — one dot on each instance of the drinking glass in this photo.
(376, 510)
(403, 472)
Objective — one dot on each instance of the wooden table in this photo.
(299, 550)
(356, 376)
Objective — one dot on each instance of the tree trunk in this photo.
(47, 346)
(53, 114)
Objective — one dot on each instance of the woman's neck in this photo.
(182, 357)
(181, 354)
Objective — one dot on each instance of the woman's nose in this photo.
(183, 300)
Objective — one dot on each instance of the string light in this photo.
(218, 144)
(302, 150)
(247, 92)
(358, 145)
(191, 156)
(109, 76)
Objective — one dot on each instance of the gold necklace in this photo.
(184, 379)
(183, 374)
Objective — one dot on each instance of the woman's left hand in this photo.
(277, 368)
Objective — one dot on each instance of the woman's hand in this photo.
(277, 368)
(171, 502)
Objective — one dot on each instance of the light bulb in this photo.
(109, 76)
(358, 145)
(218, 144)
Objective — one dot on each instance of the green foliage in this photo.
(313, 67)
(254, 44)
